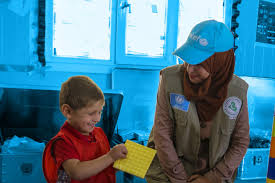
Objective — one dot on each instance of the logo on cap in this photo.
(194, 37)
(203, 42)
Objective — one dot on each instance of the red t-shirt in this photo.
(64, 151)
(71, 144)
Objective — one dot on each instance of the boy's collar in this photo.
(77, 134)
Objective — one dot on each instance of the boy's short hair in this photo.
(79, 91)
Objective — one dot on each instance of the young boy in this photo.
(80, 152)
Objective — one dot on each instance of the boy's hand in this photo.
(117, 152)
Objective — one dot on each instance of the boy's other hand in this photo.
(118, 152)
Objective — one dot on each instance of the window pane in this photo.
(204, 10)
(146, 28)
(82, 28)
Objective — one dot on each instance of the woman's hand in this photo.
(198, 179)
(193, 177)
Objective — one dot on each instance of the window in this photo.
(146, 28)
(82, 29)
(123, 31)
(146, 32)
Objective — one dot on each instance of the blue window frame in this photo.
(80, 32)
(146, 32)
(111, 32)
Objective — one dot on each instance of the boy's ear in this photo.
(66, 110)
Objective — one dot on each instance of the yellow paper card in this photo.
(138, 159)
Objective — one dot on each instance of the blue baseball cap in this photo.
(205, 39)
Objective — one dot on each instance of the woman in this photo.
(201, 127)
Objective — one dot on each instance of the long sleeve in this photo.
(163, 132)
(235, 153)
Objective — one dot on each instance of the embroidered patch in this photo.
(232, 106)
(179, 102)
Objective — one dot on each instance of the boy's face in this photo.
(84, 119)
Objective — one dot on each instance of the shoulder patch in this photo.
(178, 101)
(232, 106)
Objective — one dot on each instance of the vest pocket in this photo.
(180, 117)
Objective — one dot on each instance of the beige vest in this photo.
(186, 123)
